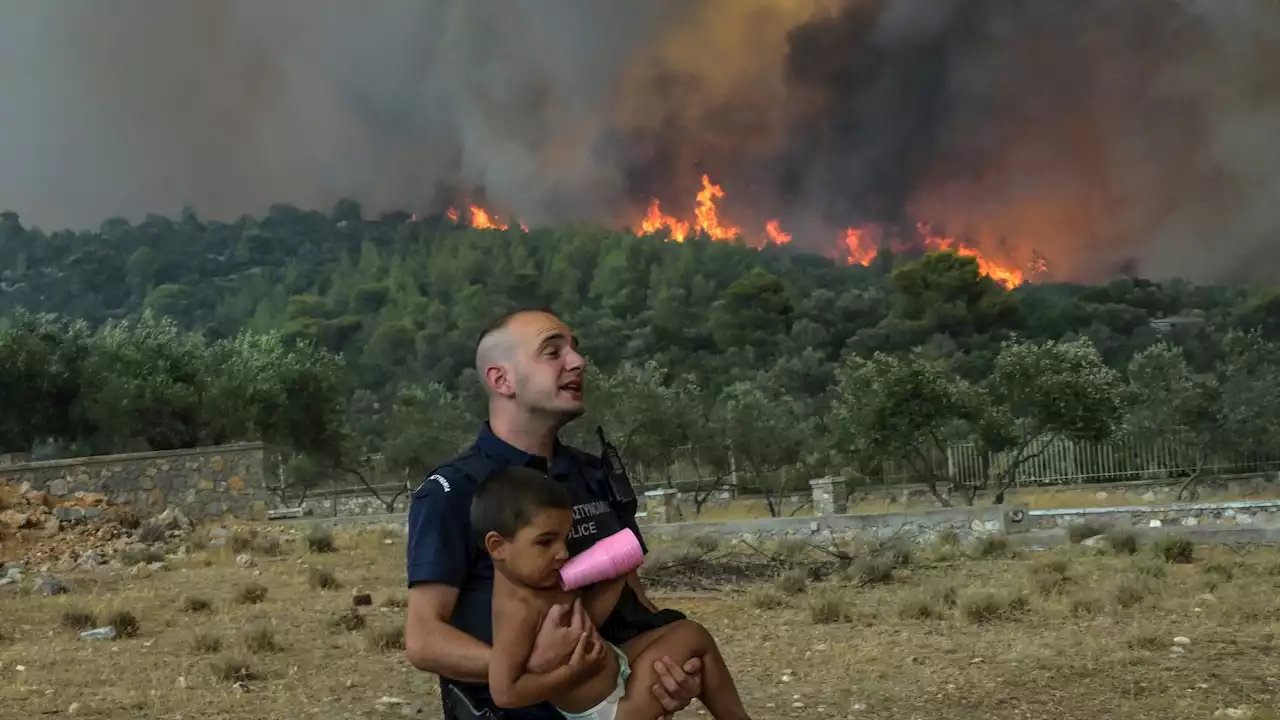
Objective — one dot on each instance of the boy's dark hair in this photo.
(511, 497)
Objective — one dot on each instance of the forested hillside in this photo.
(401, 300)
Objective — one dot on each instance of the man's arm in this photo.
(433, 645)
(515, 624)
(437, 561)
(633, 579)
(602, 598)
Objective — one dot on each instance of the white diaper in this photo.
(607, 709)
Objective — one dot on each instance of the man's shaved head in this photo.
(528, 362)
(496, 345)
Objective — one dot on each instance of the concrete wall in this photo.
(202, 482)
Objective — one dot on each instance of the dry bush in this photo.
(199, 540)
(1122, 542)
(1219, 570)
(1175, 549)
(194, 604)
(1146, 639)
(1085, 603)
(767, 598)
(350, 621)
(1050, 575)
(268, 546)
(133, 556)
(242, 541)
(232, 669)
(1081, 531)
(705, 544)
(994, 546)
(980, 606)
(896, 551)
(922, 607)
(206, 643)
(830, 604)
(792, 582)
(260, 639)
(1151, 568)
(78, 619)
(320, 539)
(788, 550)
(124, 622)
(1129, 591)
(874, 570)
(251, 594)
(322, 579)
(395, 600)
(151, 533)
(385, 638)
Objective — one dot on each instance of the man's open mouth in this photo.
(573, 386)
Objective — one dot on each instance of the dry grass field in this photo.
(956, 630)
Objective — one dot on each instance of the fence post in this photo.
(662, 505)
(830, 496)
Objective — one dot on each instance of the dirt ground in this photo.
(961, 633)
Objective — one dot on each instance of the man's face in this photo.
(538, 550)
(547, 367)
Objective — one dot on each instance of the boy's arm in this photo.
(602, 598)
(515, 624)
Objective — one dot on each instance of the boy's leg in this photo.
(680, 641)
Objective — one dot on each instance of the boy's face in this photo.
(537, 552)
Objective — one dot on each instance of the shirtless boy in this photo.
(522, 519)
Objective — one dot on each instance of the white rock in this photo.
(1182, 640)
(245, 560)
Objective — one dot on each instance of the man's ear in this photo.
(495, 545)
(500, 380)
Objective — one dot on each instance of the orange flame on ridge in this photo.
(481, 219)
(861, 248)
(776, 234)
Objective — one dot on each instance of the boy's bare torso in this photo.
(508, 595)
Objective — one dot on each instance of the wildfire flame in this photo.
(862, 247)
(775, 233)
(860, 244)
(480, 219)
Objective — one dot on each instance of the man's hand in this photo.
(677, 686)
(555, 642)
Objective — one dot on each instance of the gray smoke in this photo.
(1102, 133)
(132, 106)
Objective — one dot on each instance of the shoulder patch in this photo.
(434, 480)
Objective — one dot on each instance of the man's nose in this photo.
(562, 553)
(575, 360)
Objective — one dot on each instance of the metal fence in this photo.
(1052, 462)
(1062, 462)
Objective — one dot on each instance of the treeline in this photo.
(383, 314)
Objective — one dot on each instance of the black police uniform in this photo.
(441, 548)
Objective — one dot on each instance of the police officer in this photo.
(533, 374)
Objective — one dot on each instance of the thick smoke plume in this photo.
(1101, 133)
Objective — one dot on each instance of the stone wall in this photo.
(1263, 513)
(348, 504)
(1134, 492)
(202, 482)
(981, 520)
